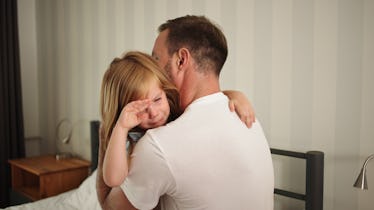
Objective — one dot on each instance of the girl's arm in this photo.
(115, 164)
(241, 105)
(115, 167)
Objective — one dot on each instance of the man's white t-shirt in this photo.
(206, 159)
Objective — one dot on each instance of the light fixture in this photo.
(63, 137)
(361, 181)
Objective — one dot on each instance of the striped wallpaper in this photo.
(306, 65)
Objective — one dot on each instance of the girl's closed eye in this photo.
(157, 99)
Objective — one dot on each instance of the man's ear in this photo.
(183, 57)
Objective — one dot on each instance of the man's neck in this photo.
(198, 86)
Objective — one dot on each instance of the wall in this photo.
(29, 75)
(307, 66)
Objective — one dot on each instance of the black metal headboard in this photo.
(313, 196)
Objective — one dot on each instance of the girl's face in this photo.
(158, 112)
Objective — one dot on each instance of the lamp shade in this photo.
(361, 181)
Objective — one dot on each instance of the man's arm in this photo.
(109, 198)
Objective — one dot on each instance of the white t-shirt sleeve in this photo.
(149, 175)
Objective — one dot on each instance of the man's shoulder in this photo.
(168, 129)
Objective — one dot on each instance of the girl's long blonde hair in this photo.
(128, 79)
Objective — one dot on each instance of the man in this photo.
(207, 158)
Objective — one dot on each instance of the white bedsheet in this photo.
(83, 197)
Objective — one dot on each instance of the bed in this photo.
(84, 197)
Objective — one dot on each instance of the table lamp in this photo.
(63, 136)
(361, 181)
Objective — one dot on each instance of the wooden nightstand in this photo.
(44, 176)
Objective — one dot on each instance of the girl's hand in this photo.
(242, 106)
(133, 114)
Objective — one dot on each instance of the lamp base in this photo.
(63, 155)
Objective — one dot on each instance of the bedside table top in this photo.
(48, 164)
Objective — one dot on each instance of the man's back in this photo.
(217, 163)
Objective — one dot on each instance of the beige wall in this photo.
(29, 75)
(307, 66)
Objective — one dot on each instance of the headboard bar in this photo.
(314, 177)
(94, 130)
(288, 153)
(289, 194)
